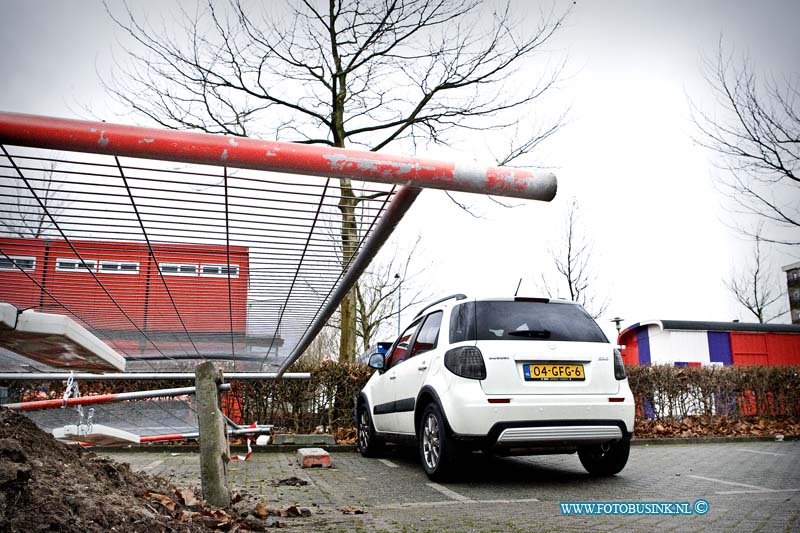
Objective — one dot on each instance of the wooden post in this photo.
(214, 450)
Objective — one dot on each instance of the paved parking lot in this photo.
(752, 486)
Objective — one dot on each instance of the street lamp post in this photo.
(617, 321)
(399, 302)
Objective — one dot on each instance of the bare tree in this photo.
(755, 288)
(756, 135)
(323, 347)
(342, 73)
(21, 214)
(378, 294)
(572, 259)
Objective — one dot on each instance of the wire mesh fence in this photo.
(170, 263)
(146, 417)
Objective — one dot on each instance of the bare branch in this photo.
(755, 288)
(756, 137)
(21, 214)
(572, 260)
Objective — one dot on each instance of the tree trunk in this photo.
(347, 206)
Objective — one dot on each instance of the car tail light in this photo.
(619, 366)
(465, 361)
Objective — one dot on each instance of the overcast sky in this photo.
(647, 199)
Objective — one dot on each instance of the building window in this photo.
(75, 265)
(796, 294)
(219, 271)
(119, 267)
(175, 269)
(794, 274)
(15, 262)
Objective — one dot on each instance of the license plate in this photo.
(553, 372)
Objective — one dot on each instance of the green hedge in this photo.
(665, 392)
(326, 400)
(662, 392)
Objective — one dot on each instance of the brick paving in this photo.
(752, 486)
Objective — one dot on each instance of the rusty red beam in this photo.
(249, 430)
(163, 438)
(241, 152)
(105, 398)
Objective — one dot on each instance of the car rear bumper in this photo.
(577, 433)
(531, 437)
(539, 418)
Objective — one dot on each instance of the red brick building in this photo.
(120, 289)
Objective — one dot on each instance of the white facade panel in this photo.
(669, 347)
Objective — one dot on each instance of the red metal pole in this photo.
(315, 160)
(196, 434)
(51, 404)
(106, 398)
(176, 436)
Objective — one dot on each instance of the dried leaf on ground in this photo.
(218, 514)
(290, 481)
(186, 497)
(716, 426)
(262, 511)
(166, 501)
(345, 435)
(294, 511)
(184, 515)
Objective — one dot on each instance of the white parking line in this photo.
(415, 505)
(756, 451)
(452, 502)
(756, 491)
(388, 463)
(450, 493)
(152, 465)
(759, 489)
(521, 500)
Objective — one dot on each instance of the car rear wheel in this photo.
(605, 459)
(436, 447)
(368, 443)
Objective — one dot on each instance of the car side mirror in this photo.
(376, 361)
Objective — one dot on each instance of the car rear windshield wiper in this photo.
(534, 333)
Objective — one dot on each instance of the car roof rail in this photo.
(456, 296)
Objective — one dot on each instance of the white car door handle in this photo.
(422, 367)
(392, 377)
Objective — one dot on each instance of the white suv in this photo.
(513, 376)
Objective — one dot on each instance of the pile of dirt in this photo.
(46, 485)
(716, 426)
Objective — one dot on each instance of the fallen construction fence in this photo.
(144, 416)
(321, 395)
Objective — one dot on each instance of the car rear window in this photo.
(517, 320)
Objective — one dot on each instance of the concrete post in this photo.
(214, 450)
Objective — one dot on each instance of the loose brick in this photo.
(313, 457)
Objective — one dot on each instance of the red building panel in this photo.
(17, 287)
(749, 348)
(124, 291)
(201, 299)
(783, 349)
(630, 352)
(765, 348)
